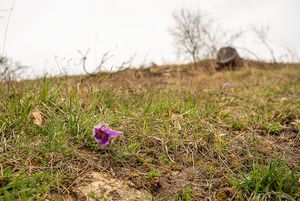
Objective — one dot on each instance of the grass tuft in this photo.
(274, 181)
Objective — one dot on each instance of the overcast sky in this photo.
(39, 30)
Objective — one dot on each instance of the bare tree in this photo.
(187, 33)
(262, 34)
(198, 36)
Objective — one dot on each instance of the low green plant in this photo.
(134, 147)
(164, 160)
(274, 129)
(92, 195)
(272, 182)
(186, 194)
(23, 187)
(235, 124)
(153, 174)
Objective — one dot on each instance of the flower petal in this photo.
(111, 133)
(96, 132)
(101, 137)
(104, 141)
(102, 134)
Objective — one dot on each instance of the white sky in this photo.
(42, 29)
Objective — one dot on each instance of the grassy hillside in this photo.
(188, 135)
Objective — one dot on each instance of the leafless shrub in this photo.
(198, 36)
(63, 64)
(290, 55)
(262, 34)
(9, 70)
(127, 63)
(105, 57)
(103, 61)
(278, 53)
(248, 54)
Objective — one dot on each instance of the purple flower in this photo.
(227, 85)
(102, 134)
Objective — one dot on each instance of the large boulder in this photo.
(228, 57)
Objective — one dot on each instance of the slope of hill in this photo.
(188, 135)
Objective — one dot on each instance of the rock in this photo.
(104, 187)
(227, 57)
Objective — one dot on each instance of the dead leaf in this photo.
(37, 117)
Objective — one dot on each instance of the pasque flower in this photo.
(102, 134)
(227, 85)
